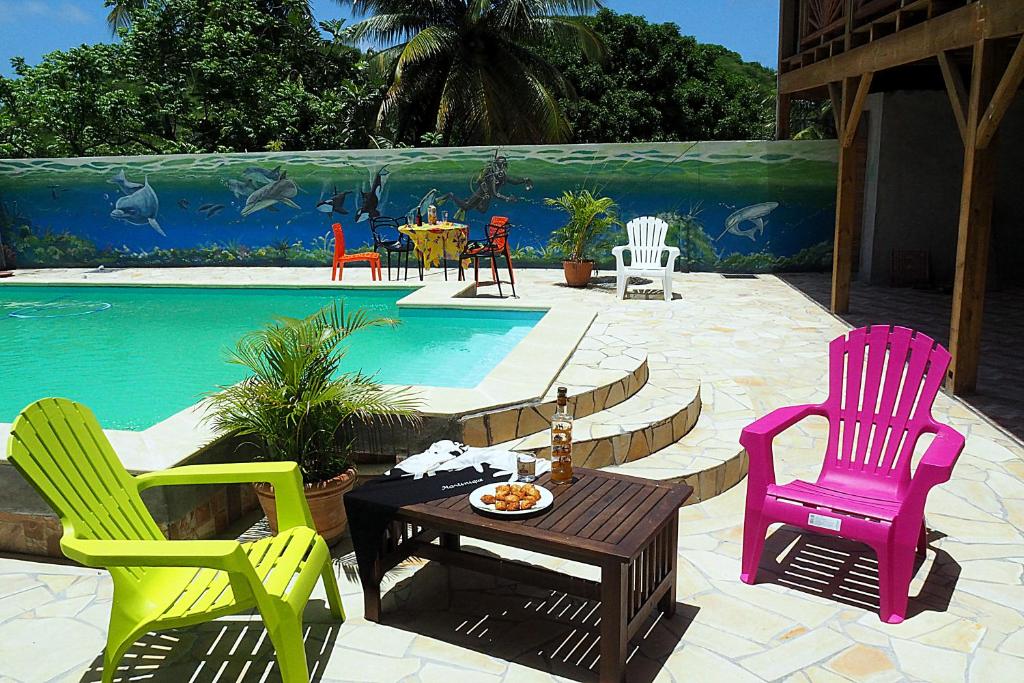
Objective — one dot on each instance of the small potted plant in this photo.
(297, 405)
(591, 219)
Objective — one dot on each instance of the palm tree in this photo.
(296, 403)
(471, 70)
(121, 12)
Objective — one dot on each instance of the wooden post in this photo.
(976, 198)
(848, 105)
(783, 104)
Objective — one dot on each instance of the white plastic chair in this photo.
(646, 248)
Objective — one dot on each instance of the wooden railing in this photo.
(825, 28)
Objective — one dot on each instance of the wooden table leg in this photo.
(371, 592)
(614, 613)
(451, 541)
(667, 604)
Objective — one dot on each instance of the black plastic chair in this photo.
(387, 237)
(493, 245)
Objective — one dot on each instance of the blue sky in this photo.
(31, 28)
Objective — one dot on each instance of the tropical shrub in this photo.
(296, 404)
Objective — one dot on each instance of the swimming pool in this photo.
(137, 355)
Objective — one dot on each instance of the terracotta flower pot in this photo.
(577, 273)
(325, 504)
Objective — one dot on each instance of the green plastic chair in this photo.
(60, 448)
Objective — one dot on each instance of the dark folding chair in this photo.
(493, 245)
(387, 237)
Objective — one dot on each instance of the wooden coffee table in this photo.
(625, 525)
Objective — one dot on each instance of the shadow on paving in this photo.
(1000, 392)
(229, 649)
(847, 571)
(545, 630)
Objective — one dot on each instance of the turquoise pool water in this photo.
(137, 355)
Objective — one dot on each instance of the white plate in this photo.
(546, 499)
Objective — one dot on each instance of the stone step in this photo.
(658, 415)
(592, 388)
(709, 458)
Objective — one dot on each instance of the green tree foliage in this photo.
(248, 75)
(658, 85)
(192, 76)
(472, 70)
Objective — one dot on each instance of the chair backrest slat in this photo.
(882, 384)
(647, 240)
(60, 448)
(339, 239)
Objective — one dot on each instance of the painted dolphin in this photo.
(139, 208)
(336, 204)
(371, 200)
(260, 176)
(240, 188)
(754, 214)
(211, 210)
(127, 186)
(278, 191)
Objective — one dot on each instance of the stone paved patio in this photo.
(811, 618)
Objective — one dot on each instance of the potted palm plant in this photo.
(591, 219)
(295, 404)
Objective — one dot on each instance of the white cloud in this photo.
(26, 11)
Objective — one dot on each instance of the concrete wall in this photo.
(912, 190)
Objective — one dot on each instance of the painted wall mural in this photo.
(732, 206)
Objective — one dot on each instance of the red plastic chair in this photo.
(882, 384)
(494, 244)
(341, 258)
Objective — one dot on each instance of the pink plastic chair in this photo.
(882, 383)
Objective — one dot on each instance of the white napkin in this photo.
(445, 456)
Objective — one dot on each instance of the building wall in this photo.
(738, 206)
(913, 181)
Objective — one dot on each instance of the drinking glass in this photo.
(526, 468)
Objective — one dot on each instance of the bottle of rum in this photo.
(561, 440)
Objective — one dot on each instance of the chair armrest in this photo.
(617, 252)
(673, 254)
(292, 509)
(757, 439)
(778, 421)
(222, 555)
(936, 465)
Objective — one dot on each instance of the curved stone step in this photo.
(658, 415)
(591, 389)
(709, 458)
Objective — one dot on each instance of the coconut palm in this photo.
(295, 403)
(471, 69)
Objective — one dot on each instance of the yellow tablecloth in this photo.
(434, 241)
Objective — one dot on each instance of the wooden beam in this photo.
(956, 90)
(783, 105)
(846, 213)
(976, 199)
(959, 28)
(856, 108)
(1004, 95)
(835, 94)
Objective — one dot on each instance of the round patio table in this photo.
(437, 243)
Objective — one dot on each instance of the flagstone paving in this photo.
(812, 618)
